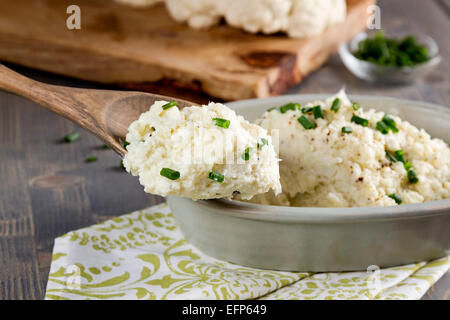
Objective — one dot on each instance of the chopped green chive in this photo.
(91, 159)
(105, 147)
(122, 165)
(306, 123)
(412, 176)
(72, 137)
(397, 52)
(289, 106)
(382, 127)
(355, 106)
(224, 123)
(390, 123)
(317, 111)
(170, 105)
(396, 197)
(247, 153)
(390, 156)
(216, 176)
(346, 130)
(360, 121)
(125, 144)
(262, 142)
(399, 155)
(407, 165)
(271, 109)
(169, 173)
(386, 124)
(307, 110)
(336, 105)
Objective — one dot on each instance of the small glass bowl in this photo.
(387, 74)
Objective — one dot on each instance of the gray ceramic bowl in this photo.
(322, 239)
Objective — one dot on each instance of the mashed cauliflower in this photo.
(336, 162)
(200, 153)
(297, 18)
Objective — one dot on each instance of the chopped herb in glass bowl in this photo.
(397, 52)
(380, 58)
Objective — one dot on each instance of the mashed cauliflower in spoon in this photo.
(200, 153)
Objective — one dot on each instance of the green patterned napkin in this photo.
(143, 255)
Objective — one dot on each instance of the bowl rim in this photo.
(326, 215)
(345, 51)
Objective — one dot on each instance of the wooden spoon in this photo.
(105, 113)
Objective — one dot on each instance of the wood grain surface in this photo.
(146, 49)
(47, 189)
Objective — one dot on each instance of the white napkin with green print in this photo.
(143, 255)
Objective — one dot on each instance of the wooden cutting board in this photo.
(144, 49)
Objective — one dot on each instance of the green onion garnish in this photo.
(289, 106)
(72, 137)
(307, 110)
(169, 173)
(122, 166)
(216, 176)
(317, 111)
(336, 105)
(224, 123)
(261, 143)
(306, 123)
(382, 127)
(390, 123)
(390, 156)
(412, 176)
(407, 165)
(273, 108)
(170, 105)
(247, 153)
(346, 130)
(399, 155)
(396, 197)
(125, 144)
(360, 121)
(397, 52)
(105, 147)
(91, 159)
(355, 106)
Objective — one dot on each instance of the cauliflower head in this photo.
(297, 18)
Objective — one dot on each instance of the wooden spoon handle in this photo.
(55, 98)
(82, 106)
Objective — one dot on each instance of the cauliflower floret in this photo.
(268, 16)
(298, 18)
(312, 17)
(197, 13)
(139, 3)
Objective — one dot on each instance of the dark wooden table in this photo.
(47, 189)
